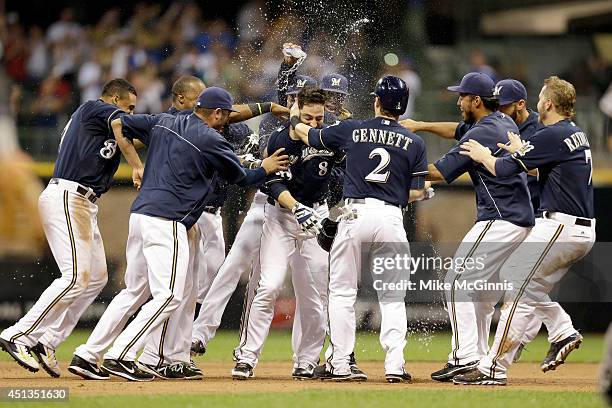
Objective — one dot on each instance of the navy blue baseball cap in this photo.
(509, 90)
(335, 83)
(215, 98)
(475, 83)
(301, 82)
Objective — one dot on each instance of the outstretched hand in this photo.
(275, 162)
(411, 125)
(514, 144)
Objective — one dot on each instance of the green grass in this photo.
(354, 399)
(421, 347)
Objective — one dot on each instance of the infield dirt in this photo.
(276, 377)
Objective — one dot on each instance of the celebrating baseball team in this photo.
(328, 186)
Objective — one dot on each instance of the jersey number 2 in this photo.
(376, 175)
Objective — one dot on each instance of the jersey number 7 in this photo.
(589, 160)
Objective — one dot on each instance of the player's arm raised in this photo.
(445, 130)
(248, 111)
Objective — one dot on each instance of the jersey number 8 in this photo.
(323, 167)
(376, 175)
(109, 149)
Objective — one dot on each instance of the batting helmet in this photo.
(393, 93)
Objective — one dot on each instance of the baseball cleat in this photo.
(21, 354)
(558, 351)
(86, 370)
(162, 371)
(321, 372)
(356, 373)
(475, 377)
(46, 358)
(125, 369)
(519, 351)
(450, 370)
(242, 371)
(396, 378)
(304, 371)
(192, 372)
(197, 348)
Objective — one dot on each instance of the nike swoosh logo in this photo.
(128, 369)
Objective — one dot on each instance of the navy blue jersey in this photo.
(527, 129)
(175, 111)
(184, 156)
(384, 160)
(88, 153)
(236, 134)
(562, 155)
(496, 198)
(307, 178)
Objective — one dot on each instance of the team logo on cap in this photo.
(335, 81)
(300, 83)
(497, 90)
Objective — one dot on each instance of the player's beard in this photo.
(468, 117)
(514, 114)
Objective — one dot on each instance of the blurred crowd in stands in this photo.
(67, 63)
(55, 68)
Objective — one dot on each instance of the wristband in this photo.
(260, 108)
(295, 120)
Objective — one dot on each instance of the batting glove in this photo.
(343, 212)
(308, 219)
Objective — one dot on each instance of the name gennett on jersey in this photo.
(380, 136)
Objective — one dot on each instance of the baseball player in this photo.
(292, 213)
(166, 354)
(385, 169)
(184, 153)
(87, 160)
(336, 91)
(244, 254)
(512, 97)
(504, 216)
(562, 235)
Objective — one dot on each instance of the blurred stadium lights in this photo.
(553, 19)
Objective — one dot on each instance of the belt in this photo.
(86, 192)
(370, 200)
(272, 201)
(568, 219)
(211, 210)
